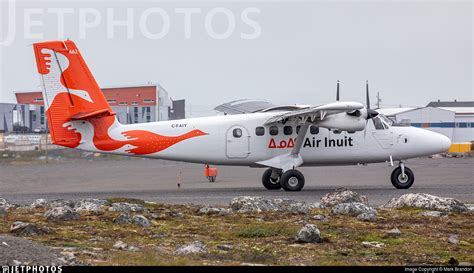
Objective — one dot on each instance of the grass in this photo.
(263, 238)
(262, 230)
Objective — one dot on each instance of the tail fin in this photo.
(70, 91)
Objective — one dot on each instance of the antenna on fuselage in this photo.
(337, 91)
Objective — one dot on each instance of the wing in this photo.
(331, 115)
(313, 113)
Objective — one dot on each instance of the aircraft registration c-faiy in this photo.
(280, 138)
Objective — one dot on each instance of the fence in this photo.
(26, 142)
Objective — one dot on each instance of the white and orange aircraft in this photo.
(281, 138)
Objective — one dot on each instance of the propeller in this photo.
(370, 113)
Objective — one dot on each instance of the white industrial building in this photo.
(454, 119)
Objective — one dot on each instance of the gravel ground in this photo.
(15, 250)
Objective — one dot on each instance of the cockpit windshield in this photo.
(387, 121)
(381, 122)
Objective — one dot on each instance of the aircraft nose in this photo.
(445, 142)
(440, 143)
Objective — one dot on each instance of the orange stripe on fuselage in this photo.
(144, 142)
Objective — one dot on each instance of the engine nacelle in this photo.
(343, 122)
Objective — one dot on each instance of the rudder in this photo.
(70, 91)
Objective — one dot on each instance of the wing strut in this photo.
(300, 139)
(290, 160)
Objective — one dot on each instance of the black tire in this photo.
(268, 182)
(292, 180)
(398, 181)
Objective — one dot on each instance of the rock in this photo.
(470, 207)
(319, 217)
(61, 214)
(89, 206)
(367, 216)
(3, 212)
(225, 247)
(120, 245)
(214, 211)
(26, 229)
(5, 204)
(126, 207)
(291, 206)
(39, 203)
(123, 219)
(393, 233)
(354, 209)
(316, 205)
(196, 247)
(453, 239)
(308, 234)
(140, 220)
(373, 244)
(133, 248)
(453, 261)
(246, 204)
(426, 201)
(61, 203)
(100, 202)
(433, 213)
(342, 195)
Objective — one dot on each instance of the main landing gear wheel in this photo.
(292, 180)
(269, 182)
(401, 181)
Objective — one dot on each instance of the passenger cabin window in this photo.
(314, 130)
(288, 130)
(273, 130)
(259, 131)
(237, 133)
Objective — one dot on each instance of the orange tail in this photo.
(70, 91)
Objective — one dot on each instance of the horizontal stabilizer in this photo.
(93, 114)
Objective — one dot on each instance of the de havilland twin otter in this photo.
(280, 138)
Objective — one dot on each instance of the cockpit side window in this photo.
(378, 123)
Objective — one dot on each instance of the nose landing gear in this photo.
(402, 177)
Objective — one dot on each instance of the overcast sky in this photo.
(288, 52)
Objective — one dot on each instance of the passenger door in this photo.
(237, 142)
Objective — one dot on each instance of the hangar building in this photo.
(454, 119)
(132, 104)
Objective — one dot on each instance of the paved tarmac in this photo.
(156, 180)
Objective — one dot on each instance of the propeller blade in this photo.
(365, 129)
(367, 94)
(337, 92)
